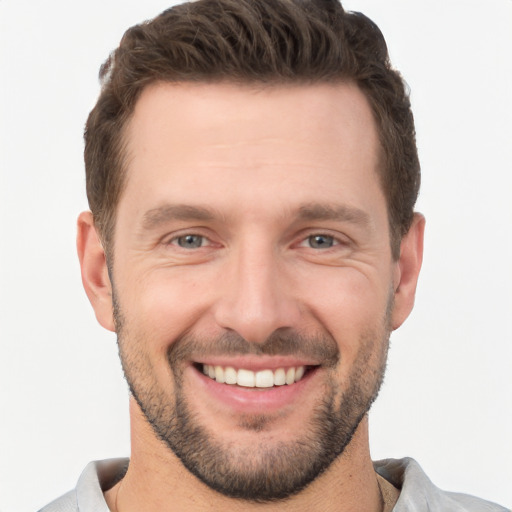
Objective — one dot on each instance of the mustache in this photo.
(322, 349)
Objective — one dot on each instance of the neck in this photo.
(156, 480)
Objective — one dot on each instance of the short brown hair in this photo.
(252, 41)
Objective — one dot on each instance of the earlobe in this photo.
(409, 265)
(93, 265)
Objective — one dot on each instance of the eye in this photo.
(320, 241)
(190, 241)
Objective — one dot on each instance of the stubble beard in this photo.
(264, 471)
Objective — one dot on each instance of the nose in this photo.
(256, 297)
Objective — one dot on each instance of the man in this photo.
(252, 174)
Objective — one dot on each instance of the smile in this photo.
(250, 379)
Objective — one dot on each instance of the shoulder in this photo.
(96, 478)
(66, 503)
(419, 494)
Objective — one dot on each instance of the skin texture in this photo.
(255, 175)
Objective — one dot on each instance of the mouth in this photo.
(249, 385)
(264, 378)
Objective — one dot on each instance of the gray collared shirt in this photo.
(417, 492)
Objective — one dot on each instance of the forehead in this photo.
(226, 112)
(207, 138)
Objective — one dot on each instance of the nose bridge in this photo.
(255, 300)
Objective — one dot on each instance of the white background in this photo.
(447, 398)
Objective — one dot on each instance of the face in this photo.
(252, 277)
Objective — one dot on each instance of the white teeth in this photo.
(219, 374)
(264, 379)
(230, 375)
(279, 377)
(290, 376)
(245, 378)
(250, 379)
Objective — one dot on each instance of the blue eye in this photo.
(190, 241)
(321, 241)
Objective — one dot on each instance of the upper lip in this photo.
(256, 363)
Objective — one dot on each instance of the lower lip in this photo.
(255, 400)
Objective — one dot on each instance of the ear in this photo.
(407, 271)
(93, 264)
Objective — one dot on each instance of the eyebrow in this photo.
(158, 216)
(155, 217)
(338, 213)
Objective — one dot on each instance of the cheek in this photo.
(162, 305)
(350, 306)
